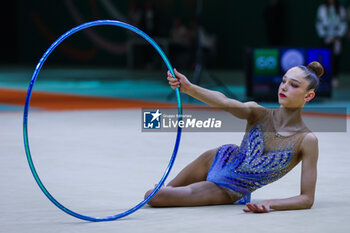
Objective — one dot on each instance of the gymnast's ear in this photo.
(310, 95)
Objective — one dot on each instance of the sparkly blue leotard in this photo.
(263, 157)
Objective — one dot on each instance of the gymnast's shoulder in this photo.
(253, 104)
(255, 110)
(309, 145)
(242, 110)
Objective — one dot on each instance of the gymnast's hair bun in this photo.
(317, 68)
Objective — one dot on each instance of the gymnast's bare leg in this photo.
(190, 188)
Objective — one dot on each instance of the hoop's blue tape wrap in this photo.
(26, 108)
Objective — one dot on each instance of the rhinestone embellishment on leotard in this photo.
(248, 167)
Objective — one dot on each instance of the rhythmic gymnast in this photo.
(276, 140)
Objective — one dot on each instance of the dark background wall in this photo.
(29, 27)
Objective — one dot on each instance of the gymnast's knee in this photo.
(153, 200)
(148, 193)
(156, 200)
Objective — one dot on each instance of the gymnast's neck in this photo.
(287, 118)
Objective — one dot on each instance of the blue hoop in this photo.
(26, 108)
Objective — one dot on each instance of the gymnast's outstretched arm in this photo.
(305, 200)
(212, 98)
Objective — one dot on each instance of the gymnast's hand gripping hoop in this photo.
(26, 109)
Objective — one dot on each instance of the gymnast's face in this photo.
(292, 92)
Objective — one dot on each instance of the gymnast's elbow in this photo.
(308, 203)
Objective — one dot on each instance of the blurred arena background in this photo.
(110, 62)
